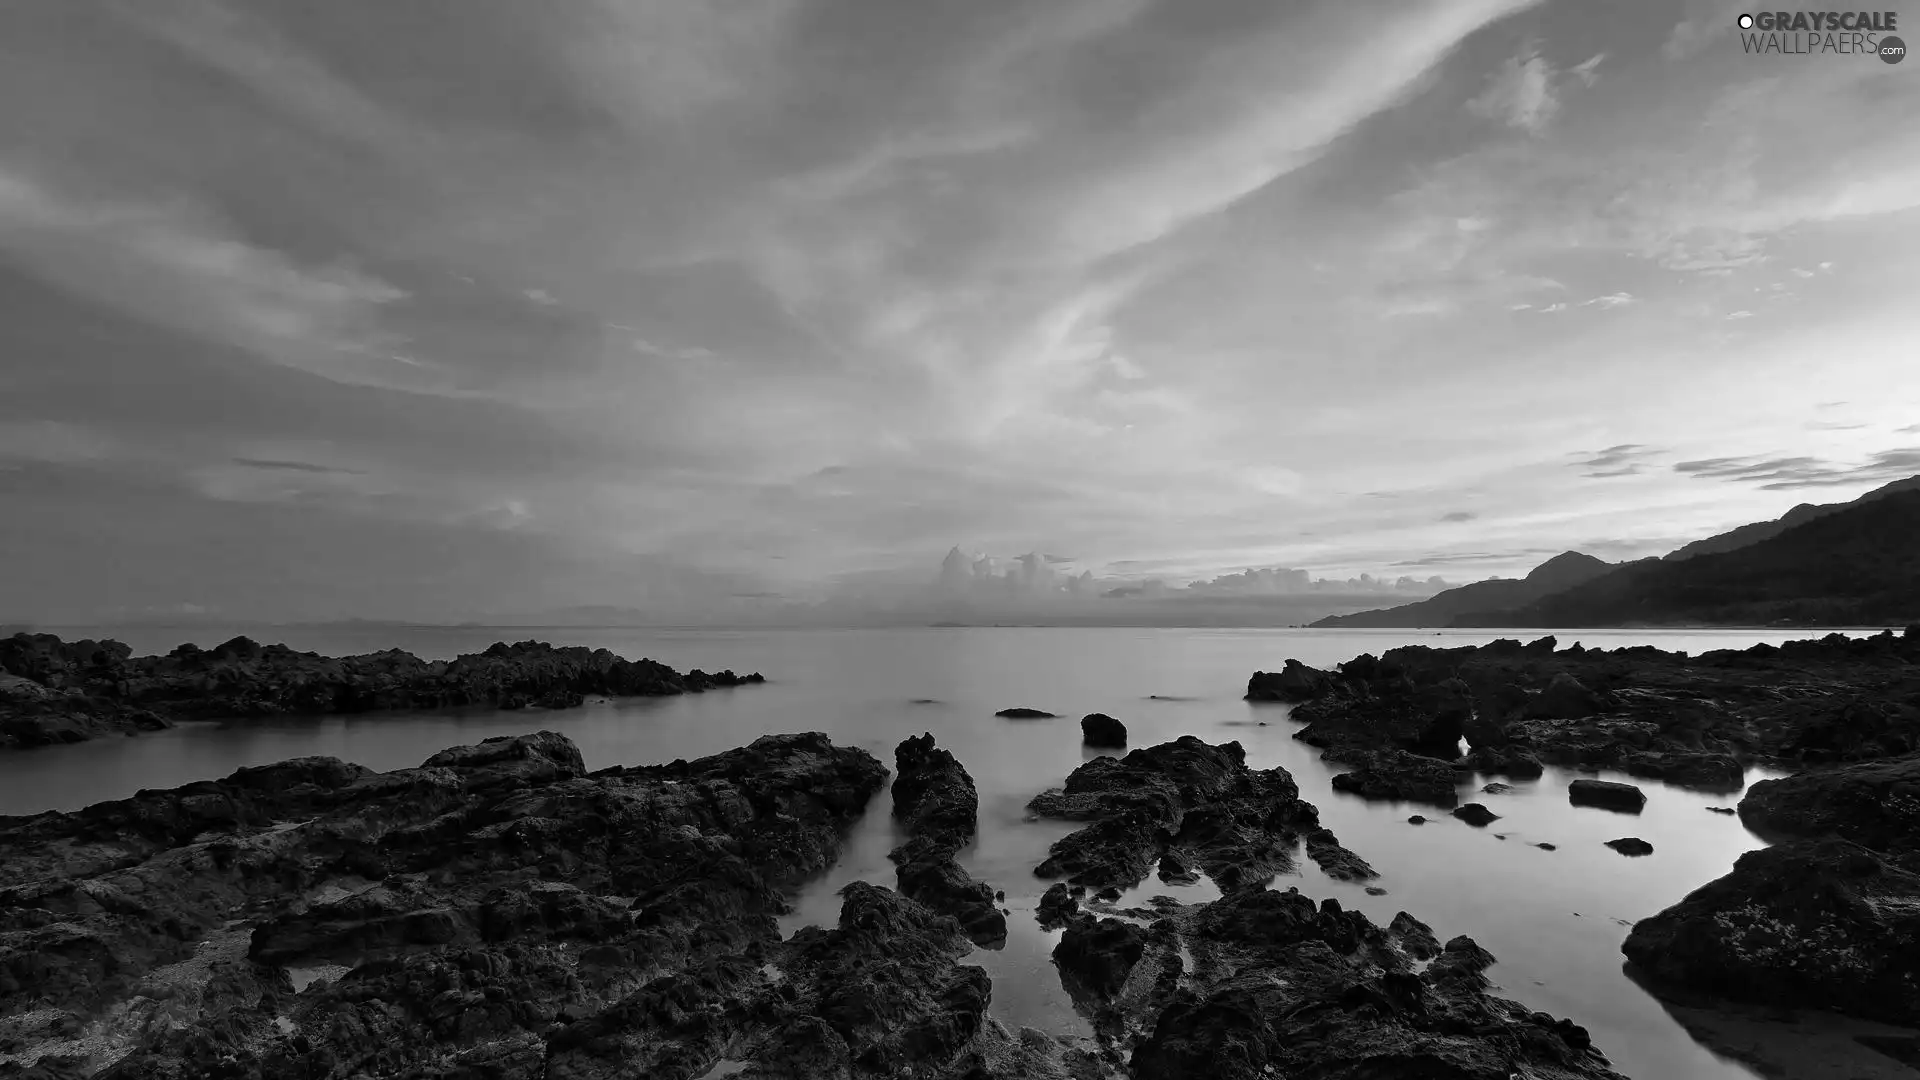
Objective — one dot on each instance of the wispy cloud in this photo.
(1789, 473)
(1626, 459)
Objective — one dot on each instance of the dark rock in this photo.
(1103, 731)
(1295, 682)
(1096, 955)
(1710, 772)
(1476, 815)
(481, 899)
(1417, 819)
(1198, 801)
(1174, 872)
(1497, 789)
(1565, 698)
(1335, 860)
(1398, 775)
(1307, 990)
(57, 691)
(1721, 810)
(935, 800)
(1631, 845)
(1025, 714)
(1544, 846)
(1056, 906)
(1607, 795)
(1824, 921)
(1508, 761)
(1875, 804)
(1375, 890)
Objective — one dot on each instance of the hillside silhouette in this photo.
(1857, 565)
(1563, 571)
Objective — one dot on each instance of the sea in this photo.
(1553, 918)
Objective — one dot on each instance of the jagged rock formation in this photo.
(58, 691)
(935, 800)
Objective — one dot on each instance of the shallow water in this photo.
(1554, 918)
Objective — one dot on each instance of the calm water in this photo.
(1554, 918)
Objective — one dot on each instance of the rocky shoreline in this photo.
(501, 912)
(54, 691)
(1829, 918)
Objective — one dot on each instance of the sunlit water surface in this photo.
(1554, 918)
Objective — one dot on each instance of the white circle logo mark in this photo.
(1746, 22)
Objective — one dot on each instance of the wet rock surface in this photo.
(1824, 921)
(497, 911)
(1396, 775)
(1263, 983)
(1476, 815)
(1689, 720)
(1631, 845)
(1335, 860)
(1196, 802)
(935, 800)
(1875, 804)
(54, 691)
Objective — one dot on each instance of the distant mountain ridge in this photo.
(1858, 564)
(1745, 535)
(1563, 571)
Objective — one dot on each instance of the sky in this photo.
(454, 307)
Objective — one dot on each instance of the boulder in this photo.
(1103, 731)
(1476, 815)
(1606, 794)
(1824, 921)
(1631, 845)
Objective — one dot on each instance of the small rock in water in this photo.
(1025, 714)
(1544, 846)
(1631, 845)
(1375, 890)
(1607, 795)
(1417, 819)
(1110, 895)
(1476, 815)
(1721, 810)
(1102, 731)
(1497, 788)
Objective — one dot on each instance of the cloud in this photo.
(1801, 471)
(540, 296)
(177, 265)
(1611, 300)
(1741, 314)
(1626, 459)
(1521, 93)
(1459, 515)
(290, 466)
(1588, 70)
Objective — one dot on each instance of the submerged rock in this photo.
(1607, 795)
(1824, 921)
(1023, 713)
(1103, 731)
